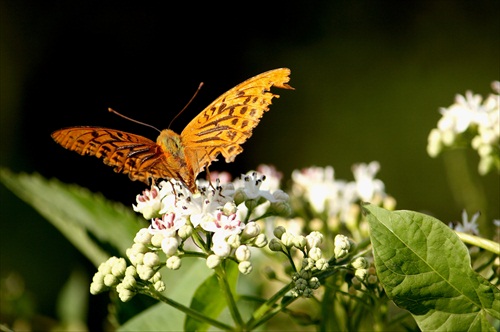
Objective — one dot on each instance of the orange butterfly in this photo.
(219, 129)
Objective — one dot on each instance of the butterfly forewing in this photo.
(130, 154)
(229, 120)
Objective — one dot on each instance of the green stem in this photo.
(188, 311)
(231, 303)
(479, 242)
(268, 309)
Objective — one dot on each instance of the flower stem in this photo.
(480, 242)
(268, 309)
(231, 303)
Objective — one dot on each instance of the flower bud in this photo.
(185, 231)
(279, 231)
(124, 294)
(96, 288)
(314, 239)
(287, 239)
(151, 259)
(275, 245)
(314, 283)
(299, 242)
(251, 230)
(129, 282)
(361, 273)
(315, 253)
(260, 241)
(234, 240)
(156, 239)
(245, 267)
(321, 264)
(359, 263)
(242, 253)
(229, 208)
(213, 261)
(110, 280)
(342, 246)
(169, 245)
(144, 272)
(143, 236)
(173, 263)
(119, 267)
(159, 286)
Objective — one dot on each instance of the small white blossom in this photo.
(467, 226)
(143, 236)
(367, 186)
(148, 203)
(167, 225)
(223, 226)
(221, 248)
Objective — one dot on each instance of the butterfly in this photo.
(220, 128)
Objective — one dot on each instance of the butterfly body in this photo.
(219, 129)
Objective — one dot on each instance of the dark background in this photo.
(370, 77)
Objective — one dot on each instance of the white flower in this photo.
(272, 177)
(467, 226)
(366, 184)
(223, 226)
(250, 187)
(167, 225)
(316, 184)
(148, 203)
(221, 248)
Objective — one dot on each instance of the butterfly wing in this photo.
(137, 156)
(229, 120)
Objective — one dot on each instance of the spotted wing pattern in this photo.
(229, 120)
(130, 154)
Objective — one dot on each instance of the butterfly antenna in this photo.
(189, 102)
(133, 120)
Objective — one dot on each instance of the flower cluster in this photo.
(224, 220)
(305, 281)
(470, 116)
(216, 223)
(316, 192)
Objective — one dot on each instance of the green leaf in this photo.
(77, 213)
(210, 299)
(426, 269)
